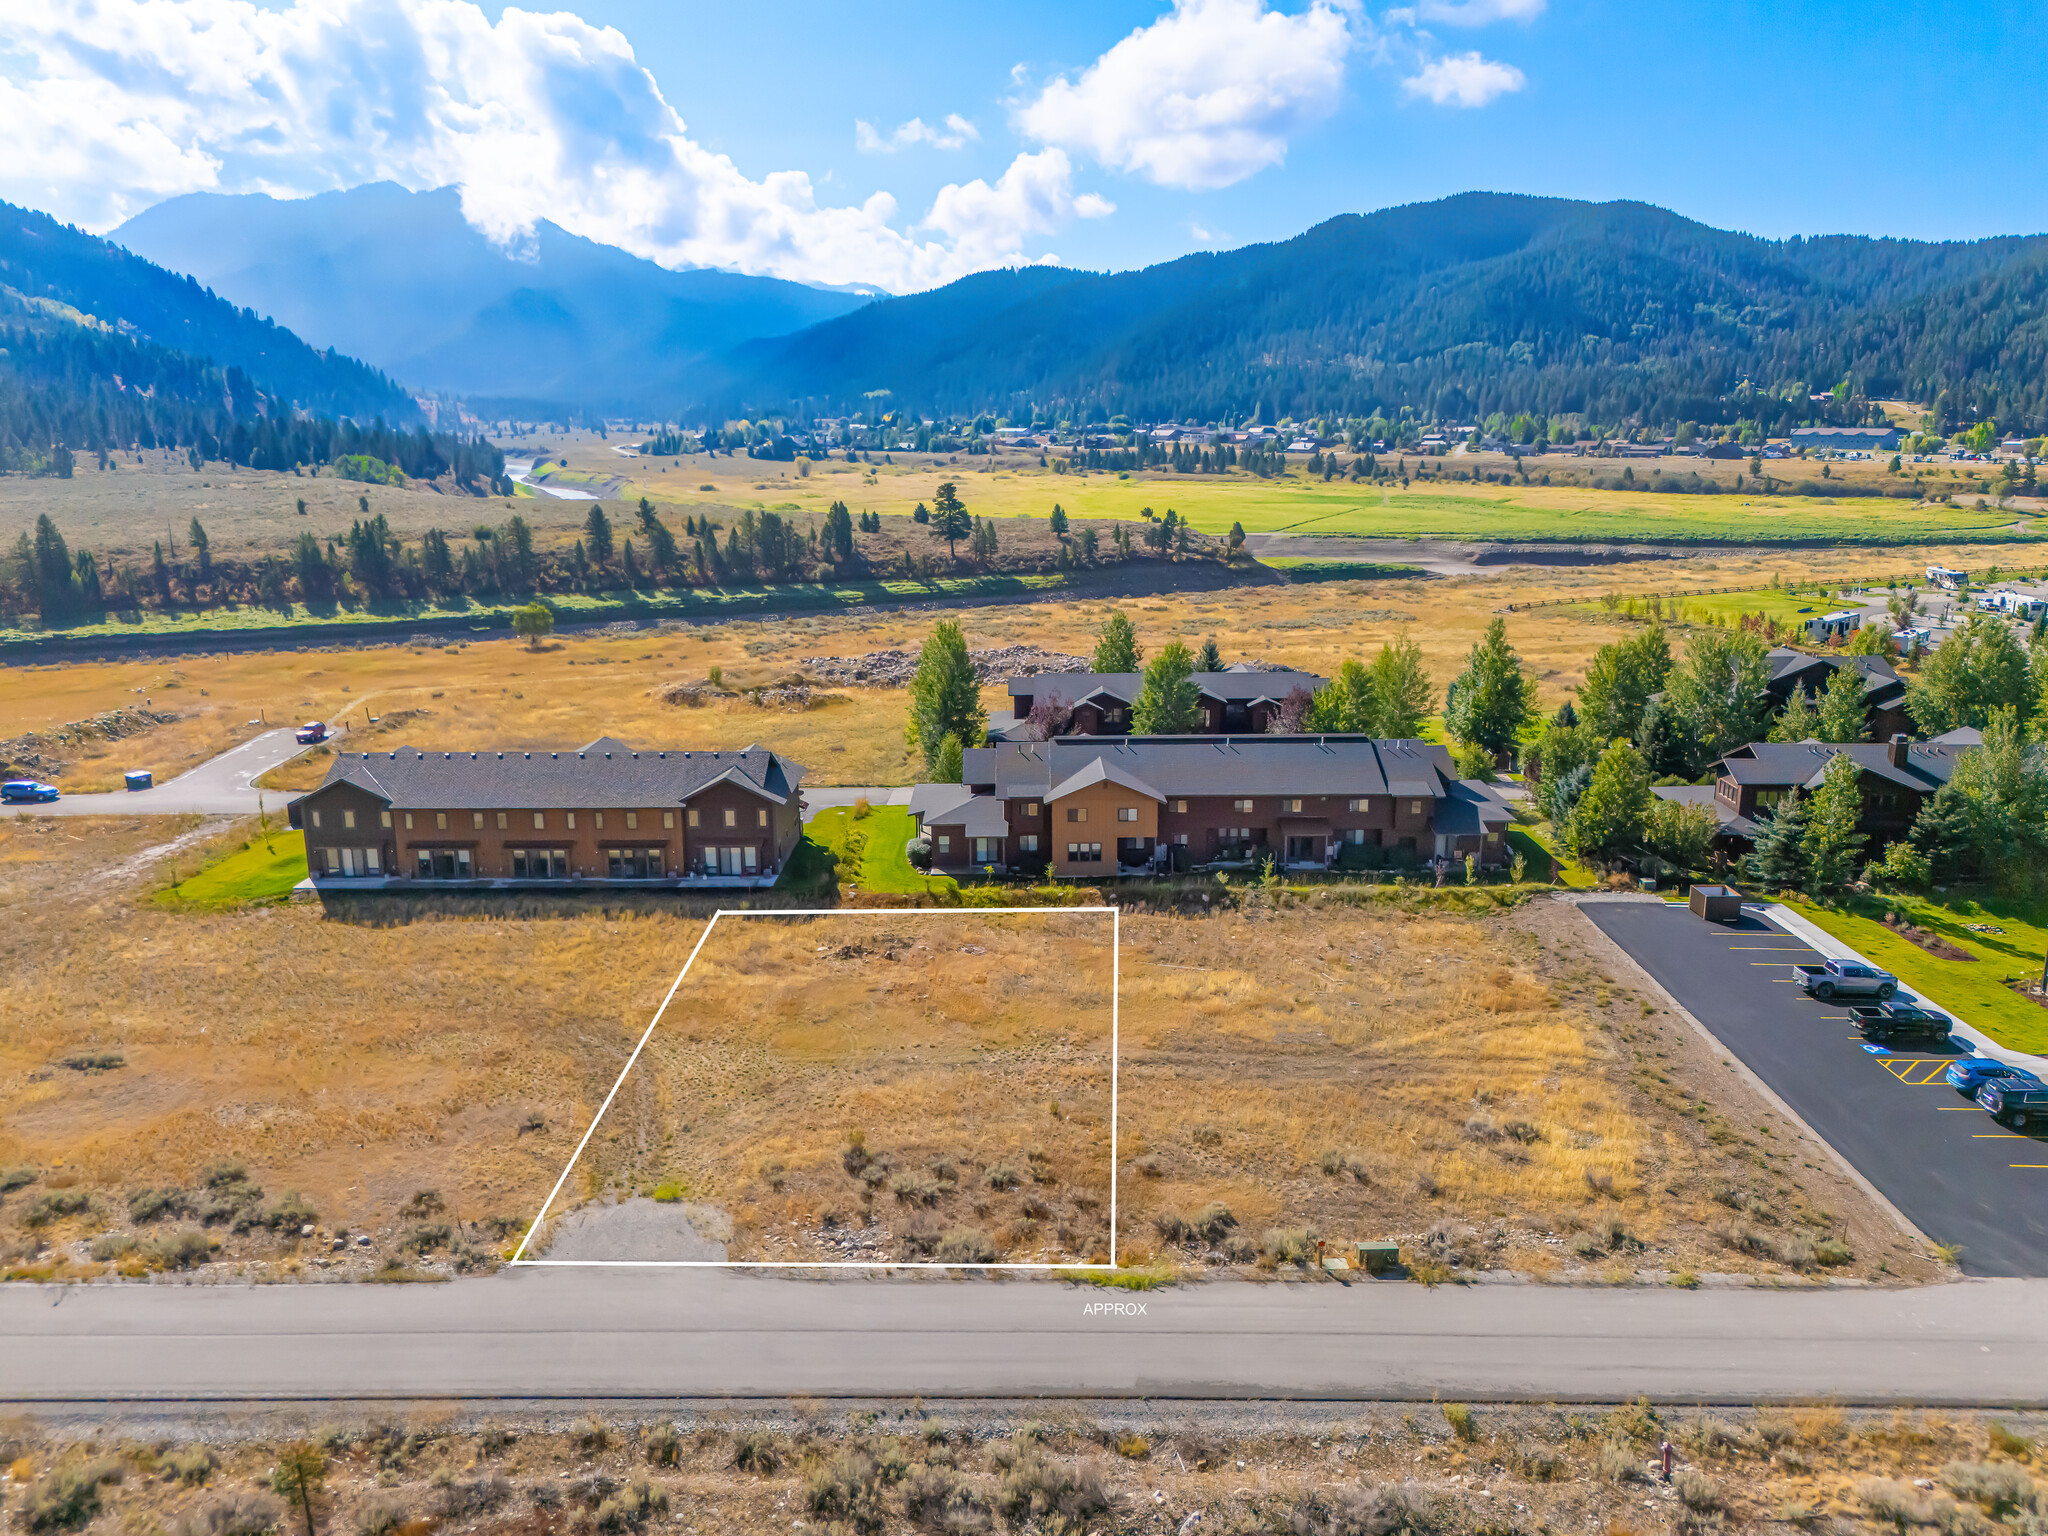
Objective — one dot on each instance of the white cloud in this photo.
(1463, 80)
(1479, 13)
(1204, 96)
(956, 133)
(108, 106)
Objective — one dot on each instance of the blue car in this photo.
(26, 792)
(1970, 1073)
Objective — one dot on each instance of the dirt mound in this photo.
(41, 754)
(894, 669)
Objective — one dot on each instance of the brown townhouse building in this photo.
(1082, 806)
(606, 812)
(1236, 701)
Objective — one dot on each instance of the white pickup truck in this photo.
(1845, 978)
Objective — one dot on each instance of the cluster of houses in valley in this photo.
(1088, 801)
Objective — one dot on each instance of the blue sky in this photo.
(1108, 134)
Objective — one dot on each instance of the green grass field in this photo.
(880, 863)
(261, 870)
(1973, 988)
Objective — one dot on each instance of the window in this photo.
(693, 818)
(1414, 807)
(1180, 807)
(384, 819)
(1031, 808)
(945, 843)
(1294, 807)
(632, 821)
(1077, 813)
(408, 821)
(1241, 805)
(668, 821)
(1084, 853)
(1181, 838)
(1127, 813)
(440, 821)
(732, 817)
(476, 820)
(501, 821)
(1358, 805)
(599, 821)
(1028, 843)
(572, 821)
(348, 820)
(985, 849)
(761, 817)
(633, 863)
(316, 818)
(540, 821)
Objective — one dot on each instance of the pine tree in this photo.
(1059, 521)
(202, 550)
(1798, 720)
(949, 517)
(1168, 704)
(1493, 698)
(945, 697)
(1609, 815)
(1209, 658)
(1118, 649)
(1842, 717)
(1832, 846)
(597, 535)
(1779, 858)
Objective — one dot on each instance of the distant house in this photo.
(1884, 691)
(1236, 700)
(1868, 439)
(1092, 807)
(1726, 451)
(1898, 778)
(1775, 451)
(605, 813)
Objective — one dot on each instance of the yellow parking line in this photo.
(2000, 1136)
(1962, 1109)
(2027, 1165)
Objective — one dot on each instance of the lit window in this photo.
(1031, 808)
(440, 821)
(572, 821)
(1077, 813)
(348, 820)
(600, 821)
(1240, 805)
(540, 821)
(732, 817)
(384, 818)
(316, 818)
(408, 821)
(501, 821)
(668, 819)
(476, 820)
(1414, 807)
(1358, 805)
(632, 821)
(1294, 807)
(761, 818)
(1180, 807)
(693, 818)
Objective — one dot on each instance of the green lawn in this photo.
(1971, 988)
(1537, 844)
(262, 869)
(879, 864)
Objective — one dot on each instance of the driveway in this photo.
(667, 1333)
(220, 786)
(1953, 1171)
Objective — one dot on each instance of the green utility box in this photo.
(1378, 1258)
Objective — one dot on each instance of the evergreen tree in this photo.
(661, 543)
(839, 533)
(1778, 861)
(1494, 697)
(949, 518)
(54, 574)
(1941, 832)
(1798, 720)
(597, 535)
(1169, 704)
(202, 553)
(1059, 521)
(1831, 845)
(1209, 658)
(1399, 692)
(629, 565)
(951, 764)
(1118, 650)
(945, 697)
(1842, 716)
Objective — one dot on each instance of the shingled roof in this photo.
(1180, 766)
(605, 773)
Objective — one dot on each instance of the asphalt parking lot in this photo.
(1957, 1174)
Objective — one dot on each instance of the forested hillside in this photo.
(1614, 312)
(103, 350)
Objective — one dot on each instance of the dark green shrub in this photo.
(68, 1497)
(146, 1205)
(12, 1179)
(966, 1245)
(55, 1204)
(180, 1250)
(757, 1453)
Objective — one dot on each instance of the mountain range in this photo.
(401, 279)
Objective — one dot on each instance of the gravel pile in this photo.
(894, 669)
(40, 754)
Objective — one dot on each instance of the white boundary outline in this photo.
(1115, 987)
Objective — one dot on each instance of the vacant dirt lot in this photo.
(1110, 1469)
(277, 1085)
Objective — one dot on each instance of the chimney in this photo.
(1898, 751)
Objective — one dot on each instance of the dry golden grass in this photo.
(944, 1048)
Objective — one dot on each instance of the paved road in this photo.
(221, 786)
(1955, 1173)
(542, 1333)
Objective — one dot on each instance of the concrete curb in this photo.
(1835, 949)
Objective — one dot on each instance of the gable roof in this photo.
(606, 773)
(1782, 764)
(1790, 668)
(1182, 766)
(1469, 807)
(1099, 771)
(1234, 685)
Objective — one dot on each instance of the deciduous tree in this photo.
(1493, 697)
(1168, 704)
(1117, 650)
(945, 697)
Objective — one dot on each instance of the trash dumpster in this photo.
(1717, 903)
(141, 778)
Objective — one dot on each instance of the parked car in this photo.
(1846, 978)
(1970, 1073)
(2015, 1105)
(1887, 1022)
(313, 731)
(26, 792)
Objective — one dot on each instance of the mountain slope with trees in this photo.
(1484, 302)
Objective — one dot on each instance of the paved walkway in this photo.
(221, 786)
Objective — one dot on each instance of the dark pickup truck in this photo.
(2015, 1104)
(1889, 1022)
